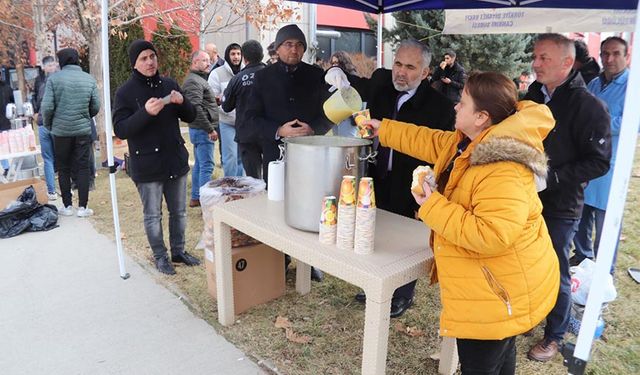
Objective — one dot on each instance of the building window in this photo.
(351, 41)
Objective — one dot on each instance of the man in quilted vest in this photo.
(69, 103)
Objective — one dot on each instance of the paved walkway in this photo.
(65, 310)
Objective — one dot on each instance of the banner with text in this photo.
(537, 20)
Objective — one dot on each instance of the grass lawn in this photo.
(335, 322)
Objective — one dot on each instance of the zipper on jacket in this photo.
(497, 288)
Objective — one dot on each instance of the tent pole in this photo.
(613, 217)
(108, 133)
(379, 39)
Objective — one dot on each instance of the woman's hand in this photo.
(421, 198)
(372, 124)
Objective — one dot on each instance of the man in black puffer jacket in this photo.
(146, 113)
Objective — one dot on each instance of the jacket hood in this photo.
(518, 138)
(234, 68)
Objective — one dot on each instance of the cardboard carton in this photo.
(258, 275)
(9, 192)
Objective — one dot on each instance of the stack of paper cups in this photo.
(275, 181)
(365, 217)
(328, 220)
(346, 213)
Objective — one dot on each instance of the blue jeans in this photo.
(585, 245)
(231, 162)
(48, 156)
(175, 195)
(562, 232)
(203, 166)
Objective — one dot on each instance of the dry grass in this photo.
(335, 322)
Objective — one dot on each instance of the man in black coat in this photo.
(449, 77)
(579, 150)
(236, 96)
(286, 100)
(146, 112)
(404, 94)
(287, 96)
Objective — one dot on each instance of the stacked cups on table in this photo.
(356, 220)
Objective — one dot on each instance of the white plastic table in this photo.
(401, 254)
(15, 164)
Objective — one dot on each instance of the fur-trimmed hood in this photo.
(518, 138)
(497, 149)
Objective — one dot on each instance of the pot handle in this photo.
(282, 152)
(348, 164)
(370, 157)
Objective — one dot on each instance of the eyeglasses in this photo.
(291, 45)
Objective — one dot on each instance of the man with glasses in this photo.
(287, 98)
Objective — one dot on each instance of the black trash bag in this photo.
(27, 215)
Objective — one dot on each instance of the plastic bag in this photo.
(224, 190)
(581, 283)
(27, 215)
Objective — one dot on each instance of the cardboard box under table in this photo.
(258, 275)
(10, 191)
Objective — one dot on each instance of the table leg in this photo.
(376, 337)
(224, 272)
(303, 277)
(15, 166)
(448, 356)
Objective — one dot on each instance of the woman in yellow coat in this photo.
(494, 260)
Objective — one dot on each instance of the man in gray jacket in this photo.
(202, 131)
(69, 103)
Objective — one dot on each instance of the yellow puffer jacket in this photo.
(497, 269)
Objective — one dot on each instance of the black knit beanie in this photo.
(68, 56)
(136, 47)
(290, 32)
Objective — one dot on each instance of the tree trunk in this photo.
(43, 47)
(95, 67)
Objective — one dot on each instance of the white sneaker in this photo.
(52, 196)
(67, 211)
(84, 212)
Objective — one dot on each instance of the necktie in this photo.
(382, 168)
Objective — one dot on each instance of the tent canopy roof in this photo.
(386, 6)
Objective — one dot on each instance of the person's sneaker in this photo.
(544, 350)
(185, 258)
(52, 196)
(67, 211)
(84, 212)
(163, 265)
(194, 203)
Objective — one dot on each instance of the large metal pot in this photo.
(314, 167)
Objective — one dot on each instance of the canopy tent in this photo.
(577, 360)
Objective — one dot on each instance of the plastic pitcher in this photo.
(342, 104)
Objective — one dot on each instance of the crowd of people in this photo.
(519, 182)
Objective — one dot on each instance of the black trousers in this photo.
(73, 153)
(487, 357)
(384, 200)
(251, 155)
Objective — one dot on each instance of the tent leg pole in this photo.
(108, 134)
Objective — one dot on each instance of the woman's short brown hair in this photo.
(494, 93)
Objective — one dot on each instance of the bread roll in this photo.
(420, 174)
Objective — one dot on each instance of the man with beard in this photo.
(146, 113)
(404, 94)
(202, 132)
(219, 80)
(286, 99)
